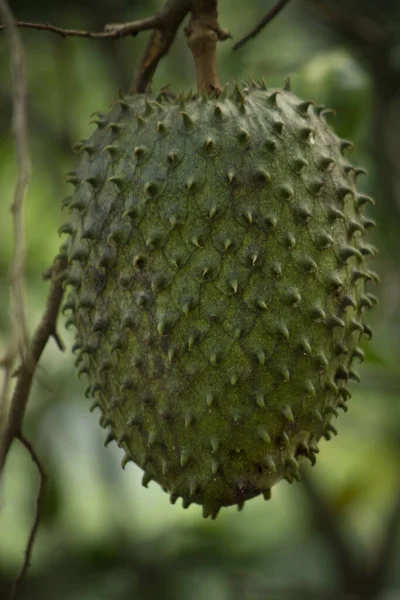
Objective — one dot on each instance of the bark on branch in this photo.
(111, 32)
(36, 522)
(160, 41)
(271, 14)
(19, 334)
(26, 372)
(202, 35)
(165, 23)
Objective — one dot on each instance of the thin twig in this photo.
(7, 366)
(39, 503)
(271, 14)
(59, 341)
(111, 32)
(19, 334)
(44, 331)
(166, 21)
(165, 24)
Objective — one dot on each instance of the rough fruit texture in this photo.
(217, 285)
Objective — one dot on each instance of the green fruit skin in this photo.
(216, 268)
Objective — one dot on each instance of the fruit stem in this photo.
(203, 33)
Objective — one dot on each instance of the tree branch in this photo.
(39, 502)
(170, 18)
(202, 35)
(271, 14)
(165, 24)
(19, 333)
(45, 329)
(7, 366)
(111, 32)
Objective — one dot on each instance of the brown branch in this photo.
(58, 340)
(111, 32)
(19, 334)
(170, 17)
(202, 35)
(7, 366)
(44, 331)
(39, 503)
(275, 10)
(164, 22)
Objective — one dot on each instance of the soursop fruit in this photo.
(216, 276)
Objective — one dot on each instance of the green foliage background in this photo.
(104, 536)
